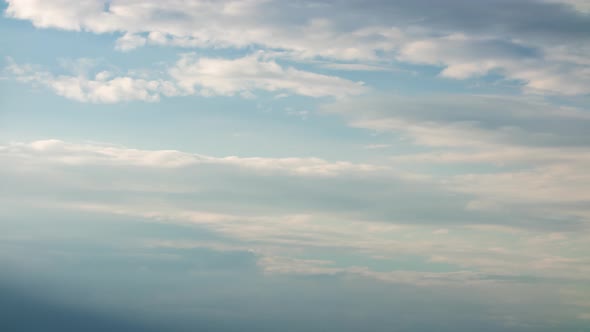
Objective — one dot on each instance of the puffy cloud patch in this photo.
(104, 87)
(189, 76)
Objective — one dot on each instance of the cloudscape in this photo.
(301, 165)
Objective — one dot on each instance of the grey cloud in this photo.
(496, 119)
(512, 19)
(376, 193)
(535, 154)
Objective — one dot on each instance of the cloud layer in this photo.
(445, 149)
(540, 44)
(266, 207)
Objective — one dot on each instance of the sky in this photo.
(302, 165)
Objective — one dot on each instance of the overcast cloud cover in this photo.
(269, 165)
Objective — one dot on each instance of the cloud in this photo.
(285, 265)
(463, 190)
(356, 67)
(512, 154)
(57, 151)
(277, 24)
(189, 76)
(580, 5)
(225, 23)
(251, 73)
(338, 189)
(102, 88)
(129, 42)
(288, 185)
(468, 120)
(294, 213)
(377, 146)
(542, 44)
(464, 57)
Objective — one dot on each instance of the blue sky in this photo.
(269, 165)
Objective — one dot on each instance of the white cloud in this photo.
(356, 67)
(129, 42)
(211, 193)
(92, 154)
(562, 190)
(377, 146)
(539, 45)
(251, 73)
(580, 5)
(511, 155)
(290, 184)
(190, 75)
(350, 190)
(102, 88)
(199, 23)
(464, 57)
(469, 121)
